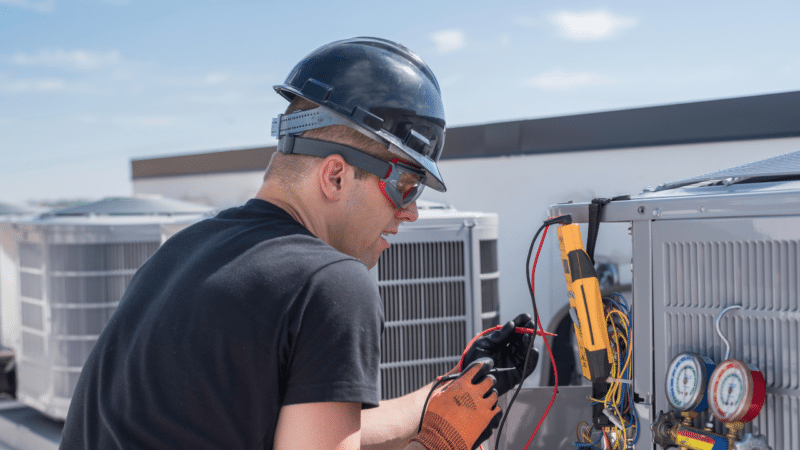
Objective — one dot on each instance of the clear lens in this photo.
(403, 184)
(407, 183)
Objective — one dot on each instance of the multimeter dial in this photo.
(736, 392)
(687, 375)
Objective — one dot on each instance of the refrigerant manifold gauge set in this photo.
(733, 391)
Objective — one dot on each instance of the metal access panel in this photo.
(702, 266)
(696, 250)
(557, 432)
(439, 285)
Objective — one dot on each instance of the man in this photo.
(260, 328)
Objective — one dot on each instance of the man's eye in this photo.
(407, 182)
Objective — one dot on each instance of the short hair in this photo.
(287, 167)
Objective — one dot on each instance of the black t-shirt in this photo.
(230, 319)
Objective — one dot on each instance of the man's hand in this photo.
(507, 349)
(463, 412)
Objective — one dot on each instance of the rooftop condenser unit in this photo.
(699, 246)
(74, 266)
(439, 284)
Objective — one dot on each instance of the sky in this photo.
(86, 86)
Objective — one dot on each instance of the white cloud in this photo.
(73, 60)
(448, 40)
(41, 6)
(593, 25)
(558, 80)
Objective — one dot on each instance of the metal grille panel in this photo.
(32, 345)
(30, 255)
(32, 316)
(88, 288)
(417, 342)
(397, 381)
(84, 321)
(490, 295)
(100, 257)
(432, 295)
(417, 260)
(701, 278)
(488, 249)
(490, 284)
(423, 300)
(64, 306)
(490, 322)
(31, 285)
(762, 274)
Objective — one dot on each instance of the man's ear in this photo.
(332, 174)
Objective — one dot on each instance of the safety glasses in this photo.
(403, 183)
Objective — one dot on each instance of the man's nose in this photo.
(408, 213)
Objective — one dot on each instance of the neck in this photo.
(297, 203)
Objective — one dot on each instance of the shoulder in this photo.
(345, 281)
(317, 258)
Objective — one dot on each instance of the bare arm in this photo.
(390, 426)
(394, 422)
(334, 426)
(328, 425)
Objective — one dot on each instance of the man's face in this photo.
(371, 217)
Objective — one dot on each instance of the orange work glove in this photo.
(462, 413)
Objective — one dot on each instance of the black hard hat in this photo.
(381, 89)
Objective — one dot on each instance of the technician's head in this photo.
(376, 105)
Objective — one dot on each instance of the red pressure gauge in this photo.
(736, 391)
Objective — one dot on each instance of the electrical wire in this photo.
(530, 277)
(531, 283)
(618, 402)
(530, 345)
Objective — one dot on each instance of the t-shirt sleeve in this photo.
(336, 346)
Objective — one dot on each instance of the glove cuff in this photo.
(438, 434)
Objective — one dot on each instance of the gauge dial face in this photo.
(731, 391)
(685, 381)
